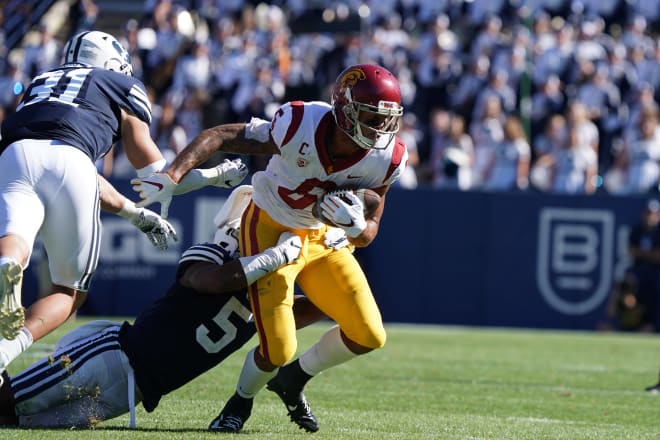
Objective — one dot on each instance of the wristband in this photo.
(128, 210)
(153, 167)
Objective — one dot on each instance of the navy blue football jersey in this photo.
(184, 333)
(79, 106)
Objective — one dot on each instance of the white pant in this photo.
(51, 189)
(85, 381)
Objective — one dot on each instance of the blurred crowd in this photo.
(500, 95)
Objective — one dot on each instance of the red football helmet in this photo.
(366, 104)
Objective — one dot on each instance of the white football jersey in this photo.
(292, 181)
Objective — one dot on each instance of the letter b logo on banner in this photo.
(575, 258)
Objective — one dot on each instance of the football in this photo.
(370, 200)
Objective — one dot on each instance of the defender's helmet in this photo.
(227, 237)
(367, 89)
(98, 49)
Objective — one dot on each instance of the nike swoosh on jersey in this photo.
(353, 177)
(156, 184)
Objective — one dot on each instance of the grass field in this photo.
(431, 383)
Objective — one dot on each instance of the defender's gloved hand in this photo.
(157, 229)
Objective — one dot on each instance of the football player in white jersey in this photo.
(317, 148)
(67, 119)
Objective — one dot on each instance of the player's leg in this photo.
(71, 234)
(271, 299)
(360, 329)
(84, 382)
(21, 216)
(65, 181)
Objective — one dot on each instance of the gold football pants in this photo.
(332, 279)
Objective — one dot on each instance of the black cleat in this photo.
(653, 389)
(233, 416)
(296, 404)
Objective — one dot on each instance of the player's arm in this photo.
(373, 221)
(237, 138)
(157, 229)
(141, 151)
(252, 138)
(208, 277)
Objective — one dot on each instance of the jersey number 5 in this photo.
(222, 320)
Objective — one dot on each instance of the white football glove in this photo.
(230, 173)
(335, 238)
(154, 226)
(155, 188)
(348, 216)
(290, 245)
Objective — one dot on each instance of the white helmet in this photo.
(98, 49)
(227, 237)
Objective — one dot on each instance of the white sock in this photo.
(10, 350)
(252, 378)
(327, 352)
(261, 264)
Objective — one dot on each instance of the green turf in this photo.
(432, 383)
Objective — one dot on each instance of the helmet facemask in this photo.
(227, 238)
(370, 123)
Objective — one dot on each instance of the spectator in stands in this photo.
(130, 39)
(44, 54)
(644, 102)
(437, 74)
(168, 134)
(580, 122)
(556, 58)
(193, 72)
(603, 102)
(509, 167)
(638, 163)
(547, 101)
(571, 170)
(553, 137)
(499, 87)
(469, 84)
(452, 160)
(410, 134)
(486, 133)
(83, 15)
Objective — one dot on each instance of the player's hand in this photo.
(335, 238)
(231, 173)
(290, 245)
(157, 229)
(347, 215)
(155, 188)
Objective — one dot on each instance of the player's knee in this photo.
(372, 338)
(282, 356)
(378, 338)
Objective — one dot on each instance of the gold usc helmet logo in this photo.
(350, 78)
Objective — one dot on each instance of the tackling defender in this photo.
(67, 119)
(317, 148)
(102, 369)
